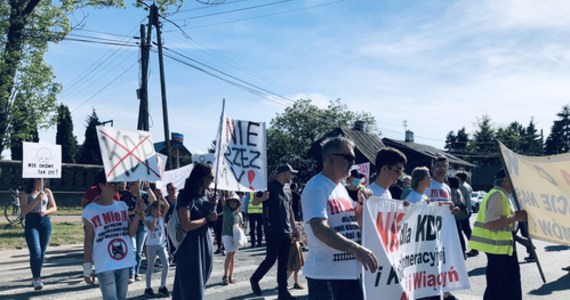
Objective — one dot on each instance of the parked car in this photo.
(476, 198)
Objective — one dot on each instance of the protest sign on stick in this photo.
(128, 155)
(417, 248)
(41, 160)
(542, 187)
(241, 158)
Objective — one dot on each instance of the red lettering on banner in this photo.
(566, 176)
(388, 230)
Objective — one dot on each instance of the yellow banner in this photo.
(542, 187)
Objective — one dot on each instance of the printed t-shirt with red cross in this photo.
(112, 246)
(325, 199)
(438, 192)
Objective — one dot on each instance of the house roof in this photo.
(366, 144)
(426, 150)
(160, 147)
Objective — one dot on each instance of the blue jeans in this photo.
(151, 252)
(37, 233)
(138, 243)
(334, 289)
(114, 284)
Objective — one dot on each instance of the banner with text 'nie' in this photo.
(417, 248)
(241, 158)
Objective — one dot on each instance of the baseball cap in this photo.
(354, 173)
(285, 168)
(501, 174)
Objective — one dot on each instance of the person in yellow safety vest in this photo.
(494, 234)
(254, 215)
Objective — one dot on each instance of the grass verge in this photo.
(65, 233)
(69, 211)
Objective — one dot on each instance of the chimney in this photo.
(359, 126)
(409, 136)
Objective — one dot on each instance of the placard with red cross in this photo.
(128, 155)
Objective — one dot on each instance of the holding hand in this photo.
(366, 258)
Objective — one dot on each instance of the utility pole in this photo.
(143, 123)
(156, 23)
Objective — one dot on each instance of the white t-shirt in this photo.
(322, 198)
(156, 237)
(380, 191)
(112, 246)
(415, 197)
(439, 192)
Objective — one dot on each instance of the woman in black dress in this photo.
(194, 259)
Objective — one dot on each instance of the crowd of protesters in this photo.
(123, 219)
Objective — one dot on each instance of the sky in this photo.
(428, 66)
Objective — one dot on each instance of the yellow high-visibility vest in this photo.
(253, 209)
(492, 241)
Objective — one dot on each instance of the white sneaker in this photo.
(38, 285)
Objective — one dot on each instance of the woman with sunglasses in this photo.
(194, 258)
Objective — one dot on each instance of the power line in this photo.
(262, 16)
(78, 83)
(106, 86)
(238, 9)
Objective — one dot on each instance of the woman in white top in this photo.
(421, 180)
(37, 205)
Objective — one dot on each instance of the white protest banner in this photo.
(542, 187)
(417, 248)
(241, 158)
(128, 155)
(177, 177)
(363, 169)
(41, 160)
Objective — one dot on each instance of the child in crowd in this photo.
(156, 244)
(232, 217)
(107, 245)
(295, 263)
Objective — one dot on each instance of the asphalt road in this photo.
(62, 276)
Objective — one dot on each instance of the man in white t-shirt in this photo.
(439, 191)
(389, 166)
(332, 267)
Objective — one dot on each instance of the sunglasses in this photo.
(348, 157)
(399, 170)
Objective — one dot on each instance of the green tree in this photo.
(292, 133)
(89, 152)
(457, 143)
(558, 141)
(26, 27)
(24, 129)
(64, 135)
(483, 146)
(512, 136)
(450, 142)
(532, 142)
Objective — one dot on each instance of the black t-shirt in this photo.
(276, 218)
(353, 194)
(296, 204)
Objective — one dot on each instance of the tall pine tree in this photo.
(558, 140)
(483, 146)
(89, 152)
(64, 135)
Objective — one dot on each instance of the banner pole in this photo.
(518, 207)
(219, 147)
